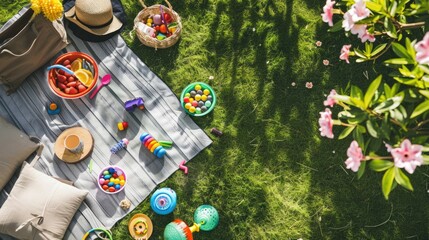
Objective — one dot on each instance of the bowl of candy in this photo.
(198, 99)
(73, 75)
(112, 179)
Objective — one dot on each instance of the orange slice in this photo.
(76, 64)
(84, 76)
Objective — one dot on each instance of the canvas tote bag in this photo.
(27, 45)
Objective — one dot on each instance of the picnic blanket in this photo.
(163, 118)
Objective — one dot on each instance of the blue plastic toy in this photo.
(53, 109)
(119, 146)
(152, 145)
(163, 201)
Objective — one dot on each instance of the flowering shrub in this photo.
(52, 9)
(389, 121)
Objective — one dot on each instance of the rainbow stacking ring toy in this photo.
(198, 99)
(112, 179)
(163, 201)
(152, 145)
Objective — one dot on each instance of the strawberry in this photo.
(81, 88)
(71, 84)
(71, 79)
(61, 78)
(67, 90)
(73, 90)
(62, 86)
(66, 62)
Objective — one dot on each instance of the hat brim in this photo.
(114, 26)
(69, 157)
(143, 218)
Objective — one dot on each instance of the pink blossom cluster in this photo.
(326, 123)
(407, 156)
(357, 12)
(422, 50)
(328, 12)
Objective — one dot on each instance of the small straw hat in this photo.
(94, 16)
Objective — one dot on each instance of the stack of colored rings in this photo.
(153, 145)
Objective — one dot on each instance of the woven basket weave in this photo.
(152, 10)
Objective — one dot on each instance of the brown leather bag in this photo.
(27, 44)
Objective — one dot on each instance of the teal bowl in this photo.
(190, 88)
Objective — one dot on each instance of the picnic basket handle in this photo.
(168, 3)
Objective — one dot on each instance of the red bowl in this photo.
(72, 56)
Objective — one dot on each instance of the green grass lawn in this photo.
(271, 175)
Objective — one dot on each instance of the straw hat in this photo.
(69, 157)
(94, 16)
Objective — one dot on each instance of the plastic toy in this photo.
(107, 234)
(206, 218)
(153, 145)
(166, 144)
(140, 227)
(122, 126)
(119, 146)
(53, 109)
(163, 201)
(130, 105)
(183, 167)
(112, 179)
(216, 132)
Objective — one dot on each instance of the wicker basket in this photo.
(151, 41)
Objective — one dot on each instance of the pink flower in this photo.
(326, 62)
(408, 156)
(367, 37)
(422, 49)
(328, 12)
(326, 124)
(331, 101)
(357, 12)
(309, 85)
(355, 156)
(345, 51)
(318, 43)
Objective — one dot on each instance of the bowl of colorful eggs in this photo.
(198, 99)
(112, 179)
(76, 85)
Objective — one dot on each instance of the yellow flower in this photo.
(35, 5)
(53, 9)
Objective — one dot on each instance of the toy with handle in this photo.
(163, 201)
(104, 81)
(206, 218)
(152, 145)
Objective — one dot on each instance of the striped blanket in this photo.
(163, 118)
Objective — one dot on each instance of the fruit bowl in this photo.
(112, 179)
(73, 86)
(198, 99)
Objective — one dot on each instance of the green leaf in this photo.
(398, 61)
(371, 90)
(343, 98)
(361, 170)
(337, 27)
(379, 165)
(410, 49)
(406, 81)
(401, 51)
(424, 93)
(402, 179)
(378, 49)
(425, 159)
(357, 135)
(420, 109)
(393, 8)
(390, 103)
(359, 53)
(374, 7)
(346, 132)
(387, 181)
(390, 27)
(356, 92)
(371, 130)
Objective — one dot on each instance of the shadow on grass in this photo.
(271, 144)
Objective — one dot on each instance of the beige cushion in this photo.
(39, 206)
(15, 147)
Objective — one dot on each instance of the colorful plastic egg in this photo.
(112, 189)
(105, 187)
(193, 93)
(206, 92)
(188, 105)
(200, 92)
(197, 97)
(201, 103)
(198, 110)
(208, 103)
(204, 97)
(111, 170)
(197, 87)
(192, 109)
(117, 186)
(203, 108)
(194, 103)
(187, 94)
(186, 99)
(101, 181)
